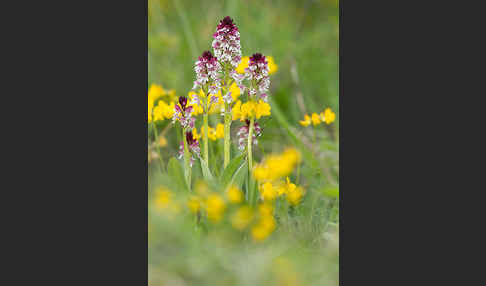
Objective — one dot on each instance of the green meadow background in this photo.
(303, 38)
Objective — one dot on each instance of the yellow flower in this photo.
(236, 111)
(163, 111)
(329, 116)
(316, 120)
(276, 166)
(194, 204)
(250, 109)
(268, 193)
(235, 195)
(162, 141)
(262, 109)
(215, 207)
(265, 209)
(220, 130)
(243, 65)
(272, 67)
(235, 91)
(294, 193)
(155, 91)
(306, 122)
(242, 218)
(197, 109)
(195, 134)
(163, 197)
(281, 190)
(264, 228)
(211, 133)
(247, 110)
(168, 110)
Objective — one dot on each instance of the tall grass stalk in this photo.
(187, 158)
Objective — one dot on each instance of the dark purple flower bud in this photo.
(227, 22)
(190, 139)
(183, 102)
(257, 58)
(207, 56)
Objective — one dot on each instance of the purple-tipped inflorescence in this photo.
(183, 114)
(243, 134)
(226, 43)
(257, 71)
(208, 73)
(193, 146)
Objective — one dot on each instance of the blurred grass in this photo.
(302, 36)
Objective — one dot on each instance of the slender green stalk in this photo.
(250, 143)
(187, 162)
(227, 133)
(205, 138)
(250, 161)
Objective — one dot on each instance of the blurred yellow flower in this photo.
(162, 141)
(316, 120)
(155, 91)
(215, 207)
(220, 130)
(276, 166)
(195, 135)
(268, 192)
(263, 228)
(235, 195)
(235, 91)
(329, 116)
(163, 111)
(265, 209)
(243, 65)
(163, 198)
(236, 110)
(306, 122)
(194, 204)
(242, 218)
(272, 67)
(294, 196)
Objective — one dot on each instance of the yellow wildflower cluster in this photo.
(266, 223)
(163, 109)
(249, 109)
(260, 222)
(213, 134)
(213, 203)
(273, 68)
(270, 191)
(277, 166)
(269, 172)
(216, 107)
(326, 116)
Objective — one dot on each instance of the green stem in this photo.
(205, 138)
(250, 161)
(227, 133)
(187, 162)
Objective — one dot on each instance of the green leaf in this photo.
(176, 173)
(206, 172)
(230, 170)
(240, 175)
